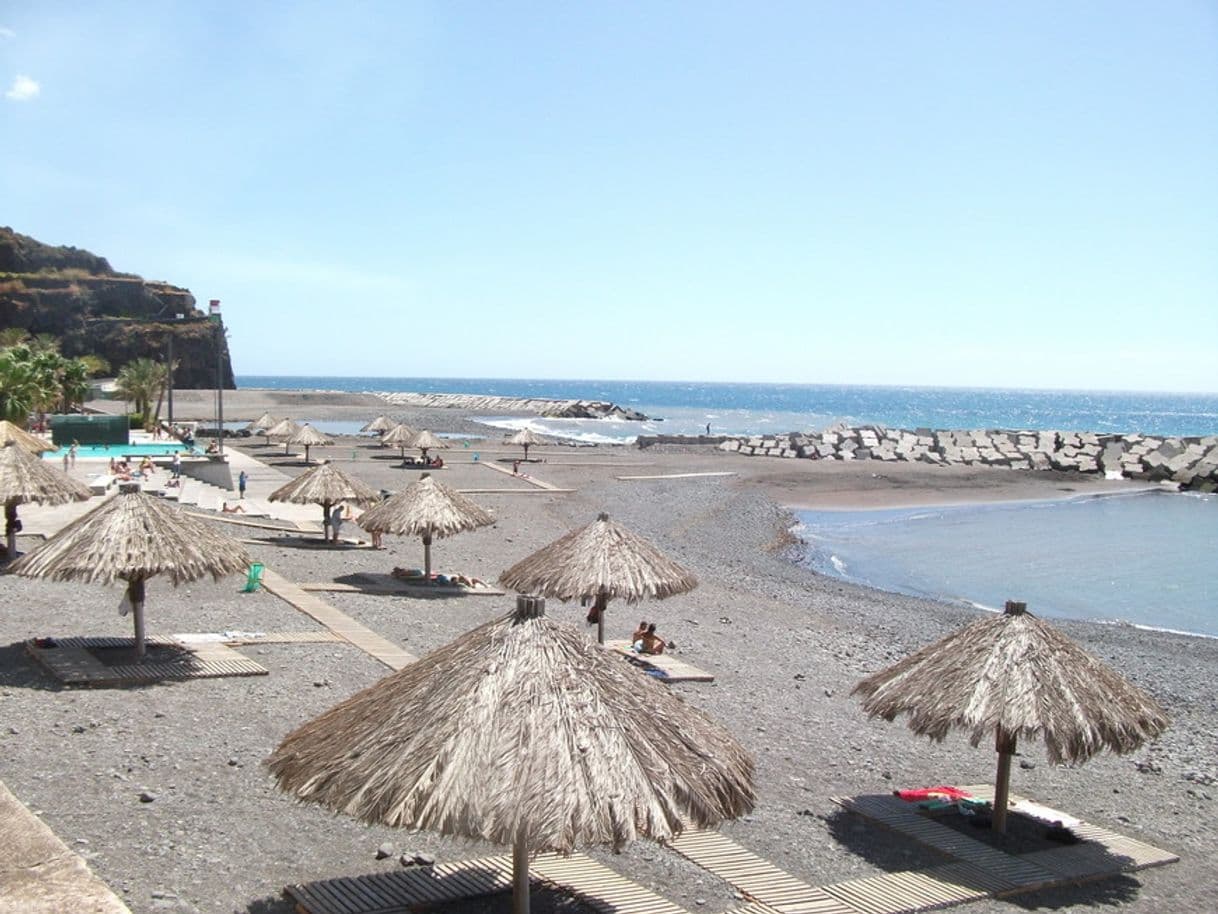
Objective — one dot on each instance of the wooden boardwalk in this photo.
(531, 480)
(340, 623)
(72, 662)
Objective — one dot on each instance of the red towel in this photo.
(943, 792)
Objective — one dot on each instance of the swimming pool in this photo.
(105, 452)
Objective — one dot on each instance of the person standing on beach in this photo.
(72, 453)
(336, 521)
(708, 429)
(65, 461)
(177, 465)
(242, 479)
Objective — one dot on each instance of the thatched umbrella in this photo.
(15, 434)
(400, 437)
(600, 561)
(526, 437)
(262, 425)
(1014, 674)
(325, 485)
(25, 477)
(520, 733)
(426, 441)
(426, 508)
(309, 437)
(133, 537)
(285, 429)
(380, 425)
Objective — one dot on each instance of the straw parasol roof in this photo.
(265, 421)
(133, 537)
(309, 437)
(381, 424)
(426, 508)
(24, 478)
(526, 437)
(426, 441)
(519, 733)
(1015, 675)
(285, 429)
(15, 434)
(602, 561)
(325, 485)
(400, 437)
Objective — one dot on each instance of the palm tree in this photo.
(13, 336)
(139, 381)
(73, 384)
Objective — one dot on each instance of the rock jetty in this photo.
(1190, 463)
(552, 409)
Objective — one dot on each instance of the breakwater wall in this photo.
(1191, 463)
(554, 409)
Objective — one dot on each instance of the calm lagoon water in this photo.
(1144, 559)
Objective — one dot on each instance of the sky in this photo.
(925, 193)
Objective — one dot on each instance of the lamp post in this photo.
(214, 315)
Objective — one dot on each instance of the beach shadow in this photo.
(880, 846)
(271, 905)
(19, 671)
(379, 584)
(288, 541)
(1100, 891)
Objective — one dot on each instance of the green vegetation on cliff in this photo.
(75, 297)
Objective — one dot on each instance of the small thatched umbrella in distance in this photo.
(425, 441)
(526, 438)
(262, 425)
(400, 437)
(309, 437)
(380, 425)
(520, 733)
(426, 508)
(325, 485)
(1011, 675)
(133, 537)
(600, 561)
(285, 429)
(15, 434)
(25, 477)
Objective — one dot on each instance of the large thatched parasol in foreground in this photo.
(520, 733)
(325, 485)
(601, 561)
(427, 441)
(15, 434)
(1015, 675)
(380, 424)
(426, 508)
(133, 537)
(285, 429)
(24, 478)
(309, 437)
(399, 437)
(526, 438)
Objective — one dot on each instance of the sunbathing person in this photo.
(636, 640)
(653, 643)
(235, 509)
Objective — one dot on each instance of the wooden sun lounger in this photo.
(673, 668)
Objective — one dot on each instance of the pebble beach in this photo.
(161, 789)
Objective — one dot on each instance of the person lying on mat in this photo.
(235, 509)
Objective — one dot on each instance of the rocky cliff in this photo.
(74, 295)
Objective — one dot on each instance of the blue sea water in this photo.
(677, 407)
(1143, 560)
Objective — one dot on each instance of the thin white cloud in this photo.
(7, 33)
(23, 89)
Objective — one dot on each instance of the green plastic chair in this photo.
(254, 581)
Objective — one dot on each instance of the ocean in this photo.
(1142, 560)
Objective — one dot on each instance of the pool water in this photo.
(105, 452)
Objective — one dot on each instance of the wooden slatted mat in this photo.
(754, 876)
(73, 662)
(599, 887)
(897, 893)
(531, 480)
(672, 668)
(338, 622)
(397, 890)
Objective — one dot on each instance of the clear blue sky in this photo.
(984, 194)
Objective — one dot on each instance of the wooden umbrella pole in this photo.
(600, 617)
(135, 596)
(10, 529)
(1004, 744)
(426, 556)
(520, 873)
(325, 522)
